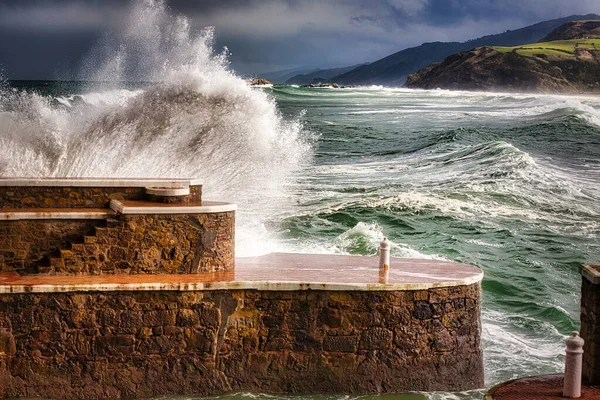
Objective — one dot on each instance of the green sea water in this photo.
(509, 183)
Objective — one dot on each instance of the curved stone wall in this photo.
(150, 343)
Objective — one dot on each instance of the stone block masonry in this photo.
(125, 244)
(139, 344)
(71, 227)
(68, 195)
(65, 197)
(25, 244)
(129, 288)
(590, 323)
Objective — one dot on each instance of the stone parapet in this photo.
(152, 343)
(89, 192)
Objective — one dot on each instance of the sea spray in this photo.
(194, 118)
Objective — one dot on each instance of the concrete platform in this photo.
(537, 388)
(276, 271)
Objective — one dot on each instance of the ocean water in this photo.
(506, 182)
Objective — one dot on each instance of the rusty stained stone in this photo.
(60, 197)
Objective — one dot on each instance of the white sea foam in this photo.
(198, 120)
(510, 353)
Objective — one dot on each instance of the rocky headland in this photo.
(568, 64)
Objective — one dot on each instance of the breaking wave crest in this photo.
(195, 119)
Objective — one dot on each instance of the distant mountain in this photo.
(319, 75)
(393, 69)
(558, 66)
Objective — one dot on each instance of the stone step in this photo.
(45, 269)
(77, 247)
(66, 254)
(101, 231)
(90, 239)
(113, 223)
(57, 263)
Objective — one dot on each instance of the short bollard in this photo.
(573, 366)
(384, 254)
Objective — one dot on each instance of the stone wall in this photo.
(26, 244)
(77, 197)
(125, 244)
(140, 344)
(590, 331)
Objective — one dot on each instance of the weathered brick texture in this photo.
(140, 344)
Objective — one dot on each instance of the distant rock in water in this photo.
(258, 82)
(322, 85)
(569, 65)
(575, 30)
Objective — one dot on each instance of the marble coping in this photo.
(130, 207)
(271, 272)
(168, 192)
(16, 214)
(146, 207)
(101, 182)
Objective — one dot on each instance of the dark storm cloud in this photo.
(46, 38)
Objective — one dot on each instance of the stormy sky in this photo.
(47, 39)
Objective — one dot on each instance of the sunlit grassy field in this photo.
(560, 48)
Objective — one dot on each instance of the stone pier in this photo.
(121, 290)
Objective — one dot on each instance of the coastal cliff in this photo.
(568, 65)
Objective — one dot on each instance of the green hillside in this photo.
(559, 48)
